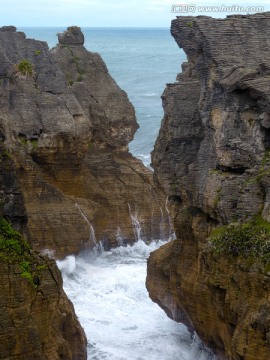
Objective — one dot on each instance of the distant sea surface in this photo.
(142, 61)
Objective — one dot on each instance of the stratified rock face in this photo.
(67, 126)
(111, 115)
(212, 157)
(73, 36)
(37, 321)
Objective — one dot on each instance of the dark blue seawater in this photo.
(142, 61)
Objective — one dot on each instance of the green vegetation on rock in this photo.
(5, 155)
(90, 145)
(25, 68)
(74, 60)
(12, 244)
(69, 79)
(72, 29)
(15, 250)
(32, 142)
(247, 240)
(264, 170)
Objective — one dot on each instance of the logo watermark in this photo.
(188, 8)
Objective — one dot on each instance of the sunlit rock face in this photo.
(212, 158)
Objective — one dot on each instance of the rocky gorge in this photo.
(67, 183)
(212, 159)
(70, 134)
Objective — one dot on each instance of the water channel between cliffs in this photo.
(108, 291)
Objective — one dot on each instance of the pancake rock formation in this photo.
(66, 124)
(37, 321)
(67, 181)
(212, 158)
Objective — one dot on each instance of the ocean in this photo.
(142, 61)
(107, 288)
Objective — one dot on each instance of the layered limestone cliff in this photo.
(67, 125)
(37, 321)
(212, 158)
(67, 181)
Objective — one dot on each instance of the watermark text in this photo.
(188, 8)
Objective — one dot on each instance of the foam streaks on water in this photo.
(112, 303)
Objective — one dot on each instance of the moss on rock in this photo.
(14, 249)
(247, 240)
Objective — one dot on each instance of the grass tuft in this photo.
(15, 250)
(25, 68)
(246, 240)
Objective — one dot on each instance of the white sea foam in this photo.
(68, 265)
(112, 303)
(145, 158)
(47, 252)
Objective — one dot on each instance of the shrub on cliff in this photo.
(25, 68)
(12, 244)
(249, 240)
(15, 250)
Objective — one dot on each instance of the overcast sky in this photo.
(104, 13)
